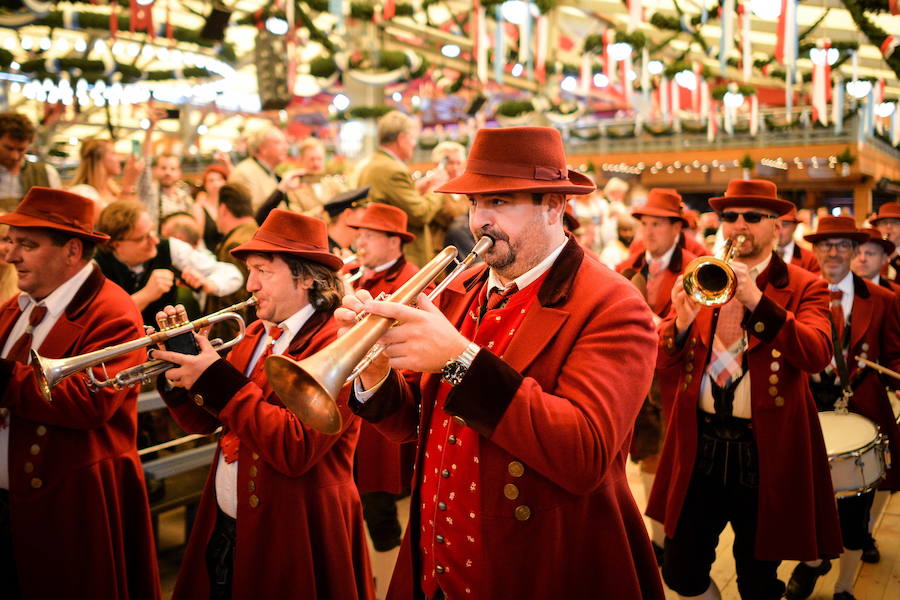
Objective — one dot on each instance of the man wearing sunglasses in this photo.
(865, 322)
(743, 428)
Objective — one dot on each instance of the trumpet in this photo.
(50, 371)
(710, 281)
(309, 387)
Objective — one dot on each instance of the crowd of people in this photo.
(497, 406)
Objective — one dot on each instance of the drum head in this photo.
(845, 433)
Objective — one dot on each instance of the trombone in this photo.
(50, 371)
(711, 281)
(309, 387)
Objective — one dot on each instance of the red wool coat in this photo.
(555, 422)
(80, 518)
(383, 465)
(789, 337)
(875, 335)
(300, 531)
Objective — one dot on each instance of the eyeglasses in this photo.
(150, 235)
(751, 216)
(840, 245)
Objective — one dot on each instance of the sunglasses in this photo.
(751, 216)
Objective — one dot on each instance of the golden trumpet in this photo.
(711, 281)
(309, 387)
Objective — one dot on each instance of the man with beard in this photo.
(524, 423)
(744, 427)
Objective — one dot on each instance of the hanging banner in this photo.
(695, 93)
(142, 18)
(727, 38)
(627, 85)
(754, 114)
(585, 75)
(480, 42)
(895, 126)
(821, 82)
(645, 75)
(499, 47)
(542, 38)
(878, 98)
(712, 124)
(664, 98)
(746, 52)
(635, 11)
(525, 42)
(837, 104)
(609, 65)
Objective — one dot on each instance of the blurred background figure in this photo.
(268, 148)
(9, 280)
(451, 224)
(96, 175)
(18, 175)
(341, 211)
(206, 203)
(617, 250)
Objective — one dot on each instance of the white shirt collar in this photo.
(525, 279)
(293, 323)
(665, 259)
(845, 284)
(787, 252)
(386, 265)
(760, 267)
(59, 298)
(877, 279)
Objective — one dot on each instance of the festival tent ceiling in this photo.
(68, 67)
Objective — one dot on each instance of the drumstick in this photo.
(877, 367)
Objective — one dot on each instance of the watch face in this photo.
(452, 373)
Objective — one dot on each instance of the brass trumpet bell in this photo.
(711, 281)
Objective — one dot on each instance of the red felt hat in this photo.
(791, 216)
(837, 227)
(286, 232)
(876, 238)
(661, 202)
(384, 218)
(50, 208)
(751, 193)
(215, 168)
(518, 159)
(888, 210)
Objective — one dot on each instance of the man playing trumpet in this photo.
(524, 424)
(74, 519)
(744, 427)
(280, 512)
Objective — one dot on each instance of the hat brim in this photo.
(403, 235)
(882, 218)
(475, 183)
(887, 245)
(321, 257)
(650, 211)
(776, 205)
(860, 237)
(14, 219)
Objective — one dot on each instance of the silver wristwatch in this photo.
(456, 368)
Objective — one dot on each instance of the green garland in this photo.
(95, 70)
(747, 162)
(92, 20)
(683, 65)
(514, 108)
(6, 58)
(846, 157)
(876, 34)
(719, 91)
(323, 66)
(364, 112)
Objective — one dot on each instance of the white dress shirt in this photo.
(56, 303)
(742, 397)
(225, 276)
(845, 285)
(226, 473)
(787, 254)
(663, 260)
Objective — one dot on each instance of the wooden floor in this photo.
(875, 582)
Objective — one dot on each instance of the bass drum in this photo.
(895, 405)
(856, 452)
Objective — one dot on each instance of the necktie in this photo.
(837, 313)
(230, 442)
(726, 364)
(498, 298)
(653, 281)
(21, 350)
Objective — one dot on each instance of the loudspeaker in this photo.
(270, 56)
(216, 22)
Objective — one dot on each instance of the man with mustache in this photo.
(865, 321)
(744, 426)
(524, 424)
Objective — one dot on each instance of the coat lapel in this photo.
(861, 314)
(67, 330)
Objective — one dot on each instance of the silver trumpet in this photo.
(50, 371)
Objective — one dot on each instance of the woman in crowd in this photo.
(206, 204)
(100, 165)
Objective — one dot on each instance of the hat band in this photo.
(290, 244)
(498, 169)
(54, 217)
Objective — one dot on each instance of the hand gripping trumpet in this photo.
(309, 387)
(50, 371)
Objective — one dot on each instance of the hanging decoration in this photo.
(542, 38)
(499, 46)
(746, 52)
(480, 42)
(727, 36)
(821, 81)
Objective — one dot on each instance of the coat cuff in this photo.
(766, 321)
(217, 386)
(483, 395)
(385, 402)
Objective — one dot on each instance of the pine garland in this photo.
(876, 34)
